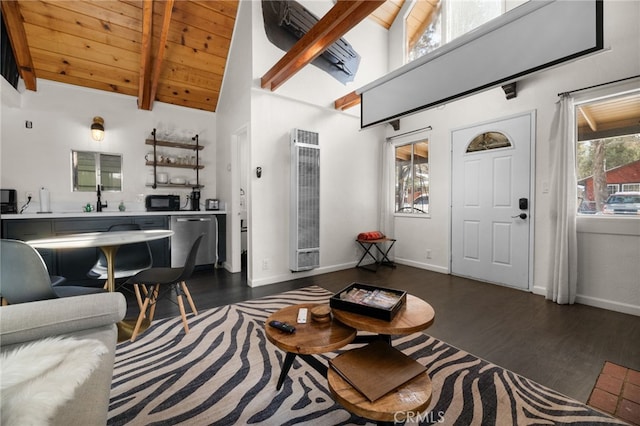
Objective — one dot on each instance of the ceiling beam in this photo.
(150, 64)
(347, 101)
(144, 94)
(588, 117)
(164, 32)
(342, 17)
(15, 28)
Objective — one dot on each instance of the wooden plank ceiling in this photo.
(115, 46)
(175, 51)
(168, 51)
(609, 117)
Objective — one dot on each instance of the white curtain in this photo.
(387, 181)
(563, 193)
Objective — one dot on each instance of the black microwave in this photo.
(155, 203)
(8, 201)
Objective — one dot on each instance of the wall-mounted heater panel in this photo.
(305, 201)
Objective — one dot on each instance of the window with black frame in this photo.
(90, 169)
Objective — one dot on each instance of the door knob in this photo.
(521, 216)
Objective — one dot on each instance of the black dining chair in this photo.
(24, 276)
(156, 283)
(129, 260)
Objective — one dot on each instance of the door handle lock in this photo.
(521, 216)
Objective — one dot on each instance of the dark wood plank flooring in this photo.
(560, 346)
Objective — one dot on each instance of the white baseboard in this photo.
(227, 266)
(294, 275)
(611, 305)
(421, 265)
(540, 291)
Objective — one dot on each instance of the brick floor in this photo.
(617, 392)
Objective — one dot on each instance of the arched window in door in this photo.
(488, 140)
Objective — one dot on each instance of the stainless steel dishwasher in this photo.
(186, 229)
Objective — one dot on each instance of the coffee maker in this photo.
(195, 199)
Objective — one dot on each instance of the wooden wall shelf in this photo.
(179, 166)
(174, 185)
(175, 144)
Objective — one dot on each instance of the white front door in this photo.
(490, 201)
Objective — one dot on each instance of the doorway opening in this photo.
(240, 217)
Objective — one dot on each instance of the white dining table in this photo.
(108, 242)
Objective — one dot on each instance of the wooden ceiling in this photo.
(169, 51)
(609, 117)
(117, 46)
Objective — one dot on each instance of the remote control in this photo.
(302, 315)
(283, 326)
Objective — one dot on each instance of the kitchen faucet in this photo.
(99, 204)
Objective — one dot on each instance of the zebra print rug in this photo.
(224, 372)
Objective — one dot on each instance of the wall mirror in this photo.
(90, 169)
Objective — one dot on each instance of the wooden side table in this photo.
(412, 397)
(310, 338)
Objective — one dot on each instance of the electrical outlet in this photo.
(28, 194)
(428, 253)
(265, 264)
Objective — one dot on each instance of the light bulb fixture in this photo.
(97, 129)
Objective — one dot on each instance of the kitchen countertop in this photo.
(59, 215)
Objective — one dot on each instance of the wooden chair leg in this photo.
(154, 296)
(141, 316)
(189, 299)
(182, 312)
(136, 288)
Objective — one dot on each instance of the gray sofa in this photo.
(91, 316)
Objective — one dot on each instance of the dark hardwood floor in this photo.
(560, 346)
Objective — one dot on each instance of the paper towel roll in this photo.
(45, 206)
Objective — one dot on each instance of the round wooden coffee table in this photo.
(310, 338)
(414, 315)
(411, 398)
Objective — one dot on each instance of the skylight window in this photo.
(431, 24)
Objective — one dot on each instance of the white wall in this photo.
(61, 116)
(349, 157)
(349, 164)
(234, 113)
(620, 59)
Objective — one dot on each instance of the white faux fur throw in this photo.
(39, 377)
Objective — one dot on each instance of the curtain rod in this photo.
(598, 85)
(410, 132)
